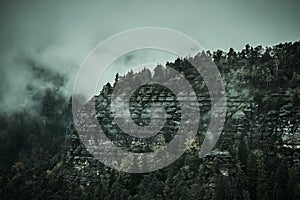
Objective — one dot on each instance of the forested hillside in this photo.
(256, 157)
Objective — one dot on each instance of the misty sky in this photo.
(57, 35)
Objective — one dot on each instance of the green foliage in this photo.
(252, 159)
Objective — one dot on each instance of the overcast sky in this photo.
(59, 34)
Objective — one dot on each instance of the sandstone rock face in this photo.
(251, 116)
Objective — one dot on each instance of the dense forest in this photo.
(256, 157)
